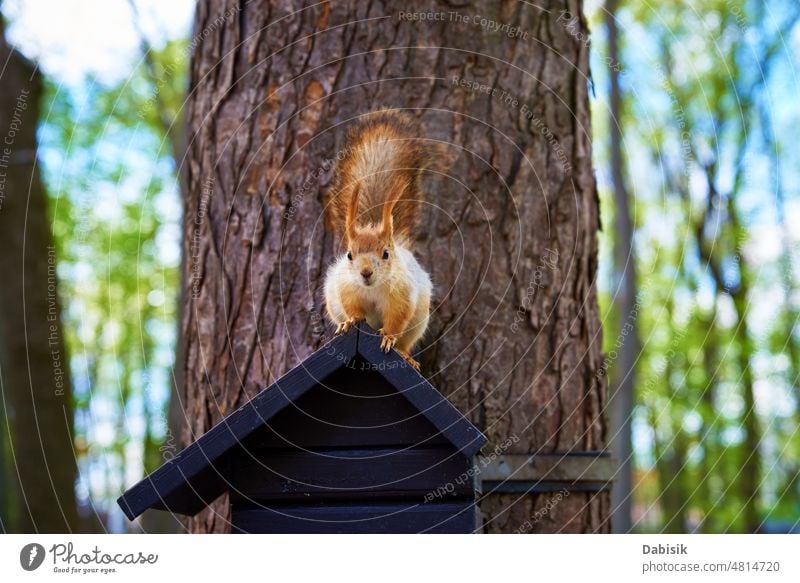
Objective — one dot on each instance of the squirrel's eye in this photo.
(386, 254)
(349, 256)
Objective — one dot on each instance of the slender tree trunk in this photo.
(709, 430)
(33, 360)
(621, 397)
(509, 234)
(6, 480)
(750, 478)
(670, 448)
(672, 492)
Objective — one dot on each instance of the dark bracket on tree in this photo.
(573, 472)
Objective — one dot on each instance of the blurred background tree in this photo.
(700, 269)
(37, 400)
(108, 151)
(116, 219)
(703, 118)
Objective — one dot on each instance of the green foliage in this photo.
(109, 168)
(702, 139)
(699, 80)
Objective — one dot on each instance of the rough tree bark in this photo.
(33, 362)
(509, 235)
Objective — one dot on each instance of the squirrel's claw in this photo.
(409, 359)
(346, 325)
(388, 340)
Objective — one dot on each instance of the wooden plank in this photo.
(389, 518)
(195, 494)
(195, 476)
(585, 471)
(348, 410)
(355, 474)
(539, 486)
(186, 469)
(420, 393)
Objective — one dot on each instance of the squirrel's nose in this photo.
(366, 273)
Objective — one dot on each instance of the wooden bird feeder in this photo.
(350, 440)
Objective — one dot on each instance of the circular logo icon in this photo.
(31, 556)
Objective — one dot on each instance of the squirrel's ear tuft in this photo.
(352, 214)
(387, 222)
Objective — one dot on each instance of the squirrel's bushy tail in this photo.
(383, 161)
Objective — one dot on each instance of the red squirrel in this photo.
(375, 205)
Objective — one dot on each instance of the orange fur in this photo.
(380, 173)
(375, 206)
(398, 314)
(350, 303)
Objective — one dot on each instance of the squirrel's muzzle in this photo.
(366, 274)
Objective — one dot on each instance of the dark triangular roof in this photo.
(196, 476)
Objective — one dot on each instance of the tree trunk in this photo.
(34, 371)
(621, 396)
(750, 478)
(509, 234)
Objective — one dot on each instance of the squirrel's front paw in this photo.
(388, 341)
(347, 324)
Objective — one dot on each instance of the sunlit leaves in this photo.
(109, 166)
